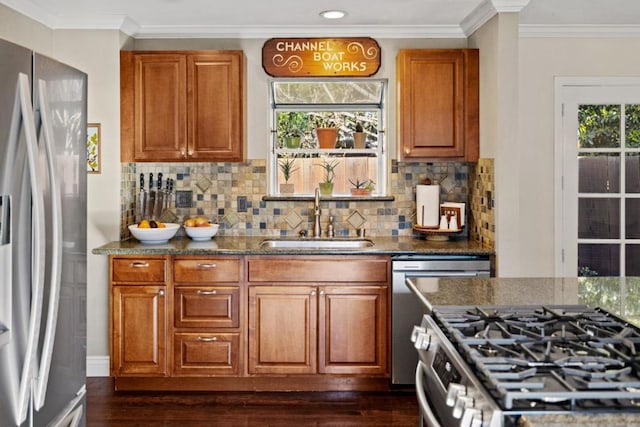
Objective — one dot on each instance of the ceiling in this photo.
(378, 18)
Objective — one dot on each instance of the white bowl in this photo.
(155, 235)
(202, 233)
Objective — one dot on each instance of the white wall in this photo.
(541, 60)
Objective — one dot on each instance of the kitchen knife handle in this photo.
(142, 181)
(160, 181)
(150, 181)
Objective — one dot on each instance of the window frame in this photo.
(380, 152)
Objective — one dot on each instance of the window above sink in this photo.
(300, 111)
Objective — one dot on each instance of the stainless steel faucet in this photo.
(316, 214)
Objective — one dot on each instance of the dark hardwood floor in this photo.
(186, 409)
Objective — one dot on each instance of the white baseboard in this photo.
(97, 366)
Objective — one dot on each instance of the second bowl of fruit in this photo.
(199, 228)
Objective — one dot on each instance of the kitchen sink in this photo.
(311, 243)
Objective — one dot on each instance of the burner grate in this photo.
(560, 356)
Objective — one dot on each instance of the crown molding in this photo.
(579, 31)
(267, 31)
(514, 6)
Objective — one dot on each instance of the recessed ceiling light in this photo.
(333, 14)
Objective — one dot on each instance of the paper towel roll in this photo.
(428, 205)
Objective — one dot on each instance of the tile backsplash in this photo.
(482, 187)
(232, 194)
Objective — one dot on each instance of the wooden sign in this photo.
(321, 57)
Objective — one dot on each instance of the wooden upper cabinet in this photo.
(182, 106)
(438, 102)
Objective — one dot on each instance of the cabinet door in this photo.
(138, 331)
(282, 329)
(160, 126)
(353, 330)
(215, 106)
(438, 104)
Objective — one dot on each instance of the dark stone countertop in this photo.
(250, 245)
(619, 295)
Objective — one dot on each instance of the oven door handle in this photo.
(426, 414)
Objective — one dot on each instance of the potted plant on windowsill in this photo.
(287, 166)
(362, 188)
(326, 185)
(359, 137)
(326, 130)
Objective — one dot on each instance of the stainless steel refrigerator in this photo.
(43, 127)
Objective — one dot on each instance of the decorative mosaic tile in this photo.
(231, 182)
(168, 216)
(356, 220)
(203, 183)
(231, 220)
(293, 220)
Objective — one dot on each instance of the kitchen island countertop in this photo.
(619, 295)
(250, 245)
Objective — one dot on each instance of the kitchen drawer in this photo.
(138, 270)
(206, 354)
(324, 269)
(203, 270)
(207, 307)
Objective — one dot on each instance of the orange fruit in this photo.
(144, 224)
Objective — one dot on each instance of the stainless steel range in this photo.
(490, 366)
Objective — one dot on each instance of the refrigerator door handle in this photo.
(56, 248)
(23, 105)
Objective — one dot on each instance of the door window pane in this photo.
(632, 218)
(632, 125)
(598, 218)
(598, 260)
(632, 258)
(598, 173)
(632, 173)
(599, 126)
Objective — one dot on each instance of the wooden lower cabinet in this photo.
(352, 330)
(250, 322)
(138, 342)
(315, 320)
(282, 329)
(325, 329)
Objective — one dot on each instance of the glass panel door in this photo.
(600, 173)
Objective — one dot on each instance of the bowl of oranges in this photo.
(200, 228)
(153, 231)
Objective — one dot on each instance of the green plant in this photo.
(329, 170)
(326, 120)
(367, 184)
(287, 167)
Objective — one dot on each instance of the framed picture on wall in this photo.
(93, 147)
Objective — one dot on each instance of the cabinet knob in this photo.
(139, 264)
(161, 293)
(313, 293)
(190, 153)
(321, 293)
(201, 292)
(183, 154)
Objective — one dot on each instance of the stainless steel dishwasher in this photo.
(407, 311)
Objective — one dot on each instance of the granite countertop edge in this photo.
(250, 245)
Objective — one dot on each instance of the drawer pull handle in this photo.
(206, 265)
(199, 292)
(139, 264)
(207, 339)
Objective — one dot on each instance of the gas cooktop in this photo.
(544, 358)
